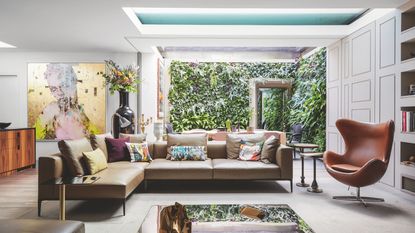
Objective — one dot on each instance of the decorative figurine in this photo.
(144, 123)
(412, 89)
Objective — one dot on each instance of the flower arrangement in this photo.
(120, 79)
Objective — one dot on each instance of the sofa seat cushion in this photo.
(163, 169)
(41, 226)
(115, 182)
(232, 169)
(348, 168)
(128, 164)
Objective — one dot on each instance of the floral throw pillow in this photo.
(250, 151)
(179, 153)
(139, 152)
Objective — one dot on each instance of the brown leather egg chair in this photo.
(368, 148)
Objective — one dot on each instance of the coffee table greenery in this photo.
(231, 213)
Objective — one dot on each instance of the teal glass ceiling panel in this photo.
(154, 18)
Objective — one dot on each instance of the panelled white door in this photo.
(386, 81)
(346, 74)
(361, 84)
(333, 109)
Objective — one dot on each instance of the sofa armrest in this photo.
(284, 159)
(50, 167)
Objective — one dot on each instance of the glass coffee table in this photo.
(227, 218)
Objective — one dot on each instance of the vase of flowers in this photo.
(124, 80)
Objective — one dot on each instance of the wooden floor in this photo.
(18, 194)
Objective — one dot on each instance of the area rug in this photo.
(280, 213)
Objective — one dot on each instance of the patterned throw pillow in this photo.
(179, 153)
(139, 152)
(250, 151)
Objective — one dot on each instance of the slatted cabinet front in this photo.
(17, 149)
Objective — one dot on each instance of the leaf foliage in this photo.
(204, 95)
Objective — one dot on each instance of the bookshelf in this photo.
(407, 79)
(405, 124)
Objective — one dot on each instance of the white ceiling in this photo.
(103, 26)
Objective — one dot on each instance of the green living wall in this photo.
(204, 95)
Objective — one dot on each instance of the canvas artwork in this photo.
(160, 90)
(66, 100)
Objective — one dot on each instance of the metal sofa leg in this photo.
(123, 207)
(39, 207)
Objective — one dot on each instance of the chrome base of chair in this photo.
(359, 198)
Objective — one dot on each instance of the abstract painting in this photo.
(160, 89)
(66, 100)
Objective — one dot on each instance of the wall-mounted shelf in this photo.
(408, 65)
(407, 137)
(408, 35)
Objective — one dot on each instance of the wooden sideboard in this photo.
(17, 149)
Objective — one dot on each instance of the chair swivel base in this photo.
(359, 198)
(362, 200)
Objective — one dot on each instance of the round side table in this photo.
(302, 147)
(314, 186)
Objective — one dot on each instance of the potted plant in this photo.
(124, 80)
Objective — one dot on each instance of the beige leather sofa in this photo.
(121, 178)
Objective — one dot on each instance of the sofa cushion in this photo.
(128, 164)
(98, 141)
(216, 150)
(232, 169)
(117, 150)
(193, 153)
(269, 149)
(185, 140)
(250, 151)
(159, 150)
(348, 168)
(114, 182)
(95, 161)
(139, 152)
(72, 153)
(163, 169)
(134, 138)
(41, 226)
(233, 143)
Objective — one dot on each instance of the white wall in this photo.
(149, 90)
(15, 107)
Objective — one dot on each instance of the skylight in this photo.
(206, 16)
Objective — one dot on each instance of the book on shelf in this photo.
(408, 121)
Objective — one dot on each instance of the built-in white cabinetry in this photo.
(362, 75)
(377, 66)
(386, 80)
(405, 140)
(334, 89)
